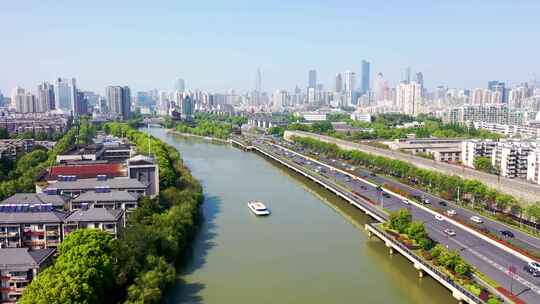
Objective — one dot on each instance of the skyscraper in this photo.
(349, 81)
(312, 79)
(365, 77)
(419, 77)
(180, 85)
(407, 75)
(65, 94)
(45, 95)
(187, 107)
(339, 83)
(498, 86)
(119, 101)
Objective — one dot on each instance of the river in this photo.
(311, 249)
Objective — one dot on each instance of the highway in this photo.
(486, 257)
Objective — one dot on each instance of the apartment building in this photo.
(533, 167)
(72, 187)
(11, 148)
(441, 149)
(511, 159)
(31, 199)
(18, 267)
(35, 226)
(470, 149)
(107, 199)
(109, 220)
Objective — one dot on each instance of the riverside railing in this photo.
(420, 260)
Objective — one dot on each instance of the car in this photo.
(533, 268)
(439, 217)
(451, 212)
(426, 201)
(443, 203)
(406, 202)
(347, 179)
(363, 187)
(507, 233)
(386, 195)
(477, 219)
(450, 232)
(379, 188)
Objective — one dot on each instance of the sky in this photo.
(219, 45)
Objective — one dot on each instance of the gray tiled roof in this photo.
(31, 217)
(113, 195)
(95, 215)
(91, 183)
(34, 198)
(22, 257)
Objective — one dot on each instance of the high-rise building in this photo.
(498, 86)
(419, 78)
(349, 82)
(187, 107)
(119, 101)
(312, 79)
(279, 100)
(408, 97)
(26, 103)
(180, 85)
(365, 76)
(16, 93)
(45, 95)
(407, 75)
(339, 83)
(381, 88)
(65, 94)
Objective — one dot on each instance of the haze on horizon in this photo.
(218, 45)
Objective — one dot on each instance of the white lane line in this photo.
(494, 264)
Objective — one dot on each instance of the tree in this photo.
(400, 221)
(483, 164)
(4, 134)
(82, 273)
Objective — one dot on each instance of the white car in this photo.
(451, 212)
(439, 217)
(477, 219)
(534, 265)
(450, 232)
(406, 202)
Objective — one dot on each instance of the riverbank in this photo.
(208, 138)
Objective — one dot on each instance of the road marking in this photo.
(494, 264)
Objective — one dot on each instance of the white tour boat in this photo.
(258, 208)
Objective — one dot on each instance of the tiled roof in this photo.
(113, 195)
(19, 257)
(31, 217)
(95, 215)
(34, 198)
(88, 171)
(92, 183)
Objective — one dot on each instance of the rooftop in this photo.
(95, 215)
(92, 183)
(34, 199)
(112, 196)
(32, 217)
(23, 257)
(88, 170)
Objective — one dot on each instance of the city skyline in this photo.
(85, 42)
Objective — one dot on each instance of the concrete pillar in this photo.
(420, 273)
(391, 250)
(369, 234)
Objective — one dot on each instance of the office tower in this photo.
(408, 97)
(312, 79)
(256, 98)
(187, 107)
(349, 81)
(119, 101)
(65, 94)
(339, 83)
(45, 95)
(311, 95)
(180, 85)
(365, 77)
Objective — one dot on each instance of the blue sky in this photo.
(217, 45)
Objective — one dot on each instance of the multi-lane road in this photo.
(486, 257)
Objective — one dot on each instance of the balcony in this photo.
(52, 233)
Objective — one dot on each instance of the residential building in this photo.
(510, 159)
(45, 96)
(349, 83)
(533, 166)
(108, 199)
(12, 148)
(145, 169)
(119, 101)
(18, 267)
(440, 149)
(339, 83)
(108, 220)
(57, 202)
(471, 149)
(408, 97)
(65, 93)
(72, 186)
